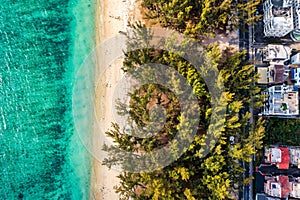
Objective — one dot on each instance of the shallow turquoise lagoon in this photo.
(42, 45)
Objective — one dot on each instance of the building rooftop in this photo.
(282, 23)
(278, 73)
(279, 156)
(281, 101)
(273, 74)
(276, 52)
(278, 186)
(277, 177)
(291, 99)
(278, 18)
(295, 156)
(295, 190)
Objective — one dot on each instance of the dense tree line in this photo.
(194, 175)
(282, 131)
(201, 17)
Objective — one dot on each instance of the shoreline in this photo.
(112, 16)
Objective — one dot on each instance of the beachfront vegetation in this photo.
(200, 17)
(196, 174)
(282, 131)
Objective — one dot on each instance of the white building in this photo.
(278, 17)
(281, 101)
(275, 56)
(282, 17)
(295, 69)
(276, 52)
(295, 59)
(295, 188)
(278, 186)
(295, 156)
(296, 13)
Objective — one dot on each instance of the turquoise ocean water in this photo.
(42, 45)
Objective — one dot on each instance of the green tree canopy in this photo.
(193, 175)
(200, 17)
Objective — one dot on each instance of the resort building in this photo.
(278, 186)
(278, 17)
(295, 34)
(295, 188)
(278, 156)
(275, 73)
(295, 156)
(281, 101)
(275, 52)
(273, 70)
(277, 177)
(283, 157)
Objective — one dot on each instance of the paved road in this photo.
(246, 43)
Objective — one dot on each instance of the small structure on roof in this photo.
(295, 59)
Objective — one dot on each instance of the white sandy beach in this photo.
(112, 17)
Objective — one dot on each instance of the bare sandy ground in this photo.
(112, 17)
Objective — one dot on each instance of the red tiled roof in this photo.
(285, 158)
(285, 186)
(278, 73)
